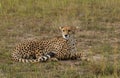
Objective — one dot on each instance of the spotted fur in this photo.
(61, 48)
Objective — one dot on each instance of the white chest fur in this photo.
(72, 44)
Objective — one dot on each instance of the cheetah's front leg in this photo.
(53, 59)
(79, 56)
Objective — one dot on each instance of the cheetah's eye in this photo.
(69, 30)
(63, 30)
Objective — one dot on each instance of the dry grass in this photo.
(98, 36)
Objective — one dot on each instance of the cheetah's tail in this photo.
(40, 59)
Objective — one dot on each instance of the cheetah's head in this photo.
(68, 31)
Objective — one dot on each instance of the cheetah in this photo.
(57, 48)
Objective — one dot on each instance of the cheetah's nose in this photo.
(66, 35)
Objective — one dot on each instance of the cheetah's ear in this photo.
(77, 27)
(60, 27)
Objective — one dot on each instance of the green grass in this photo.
(98, 36)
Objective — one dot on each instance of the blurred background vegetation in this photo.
(98, 36)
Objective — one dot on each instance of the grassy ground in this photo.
(98, 36)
